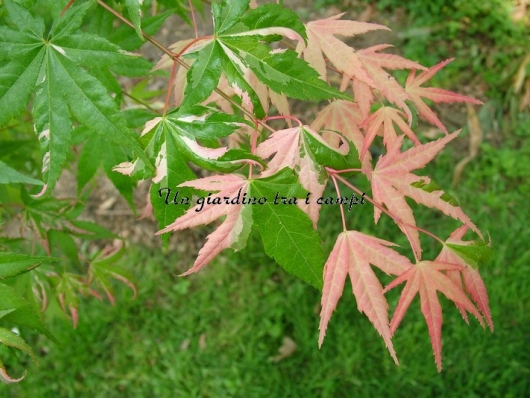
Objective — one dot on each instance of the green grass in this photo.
(214, 334)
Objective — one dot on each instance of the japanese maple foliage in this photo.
(225, 89)
(347, 131)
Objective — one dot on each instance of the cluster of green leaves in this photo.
(64, 69)
(69, 75)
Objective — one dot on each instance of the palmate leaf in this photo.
(344, 117)
(303, 150)
(322, 41)
(385, 118)
(237, 49)
(282, 71)
(171, 142)
(417, 93)
(63, 88)
(102, 268)
(426, 279)
(352, 255)
(66, 290)
(187, 127)
(392, 180)
(172, 170)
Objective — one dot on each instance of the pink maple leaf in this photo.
(375, 64)
(392, 180)
(352, 255)
(321, 40)
(427, 278)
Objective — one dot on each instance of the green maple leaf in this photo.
(326, 155)
(135, 13)
(52, 65)
(286, 231)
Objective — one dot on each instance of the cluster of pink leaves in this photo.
(354, 253)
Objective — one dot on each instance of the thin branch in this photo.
(171, 79)
(193, 19)
(283, 117)
(162, 48)
(141, 102)
(396, 219)
(341, 206)
(66, 7)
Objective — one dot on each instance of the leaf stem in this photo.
(171, 79)
(397, 220)
(341, 206)
(253, 141)
(278, 117)
(140, 102)
(66, 7)
(193, 19)
(346, 171)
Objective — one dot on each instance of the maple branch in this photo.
(176, 58)
(66, 7)
(138, 100)
(282, 117)
(328, 67)
(397, 220)
(253, 141)
(168, 52)
(171, 79)
(347, 171)
(193, 19)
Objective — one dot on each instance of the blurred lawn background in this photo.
(218, 333)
